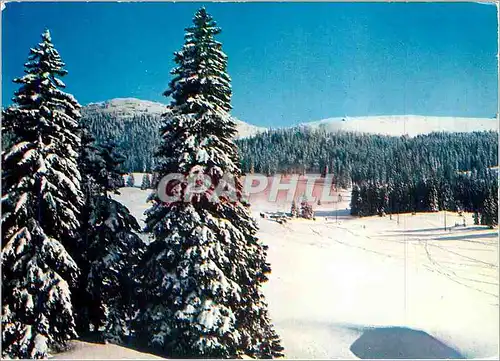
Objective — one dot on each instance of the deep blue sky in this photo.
(290, 62)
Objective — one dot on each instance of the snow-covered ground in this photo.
(337, 277)
(331, 281)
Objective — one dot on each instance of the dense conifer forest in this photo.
(428, 172)
(136, 136)
(363, 157)
(437, 171)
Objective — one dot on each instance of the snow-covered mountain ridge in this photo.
(395, 125)
(126, 108)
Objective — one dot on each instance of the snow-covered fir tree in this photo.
(110, 253)
(306, 209)
(202, 274)
(433, 197)
(476, 218)
(355, 200)
(383, 200)
(446, 196)
(40, 208)
(489, 216)
(294, 211)
(89, 165)
(110, 173)
(146, 181)
(130, 180)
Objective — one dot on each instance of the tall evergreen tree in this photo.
(432, 197)
(489, 216)
(111, 254)
(89, 165)
(201, 276)
(446, 196)
(356, 200)
(40, 206)
(146, 181)
(383, 198)
(294, 211)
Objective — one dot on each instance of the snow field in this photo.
(335, 277)
(338, 279)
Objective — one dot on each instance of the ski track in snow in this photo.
(331, 280)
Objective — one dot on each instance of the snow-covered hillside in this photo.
(340, 284)
(126, 108)
(397, 125)
(332, 283)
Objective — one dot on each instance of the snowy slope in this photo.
(126, 108)
(332, 283)
(246, 129)
(397, 125)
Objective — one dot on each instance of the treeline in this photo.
(475, 192)
(353, 157)
(349, 156)
(137, 136)
(437, 171)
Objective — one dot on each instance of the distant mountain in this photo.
(397, 125)
(127, 108)
(134, 125)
